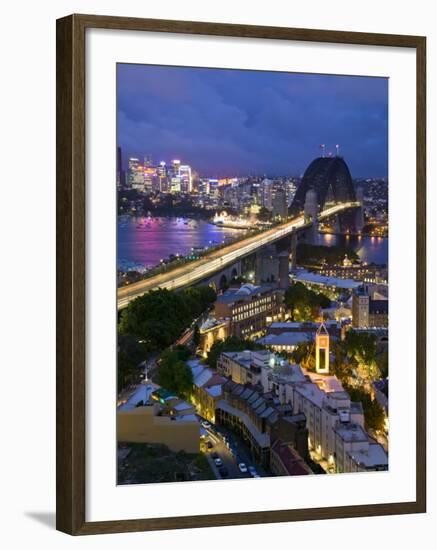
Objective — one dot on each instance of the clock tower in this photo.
(322, 350)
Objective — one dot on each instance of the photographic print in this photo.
(252, 274)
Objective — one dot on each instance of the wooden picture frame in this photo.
(71, 248)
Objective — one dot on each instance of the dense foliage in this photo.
(130, 354)
(355, 357)
(308, 253)
(159, 317)
(264, 214)
(374, 414)
(304, 354)
(382, 362)
(173, 373)
(304, 304)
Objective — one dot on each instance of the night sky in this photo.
(233, 122)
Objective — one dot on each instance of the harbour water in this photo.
(369, 249)
(143, 242)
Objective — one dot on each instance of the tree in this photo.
(375, 417)
(159, 317)
(198, 298)
(264, 214)
(196, 336)
(232, 343)
(304, 355)
(130, 353)
(382, 362)
(361, 346)
(374, 414)
(341, 366)
(174, 374)
(311, 253)
(304, 304)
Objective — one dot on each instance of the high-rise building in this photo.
(266, 193)
(185, 178)
(162, 177)
(175, 166)
(150, 178)
(136, 174)
(120, 178)
(279, 204)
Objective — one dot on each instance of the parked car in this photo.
(218, 462)
(253, 472)
(206, 424)
(242, 467)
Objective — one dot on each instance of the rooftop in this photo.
(286, 338)
(351, 433)
(290, 459)
(378, 307)
(262, 439)
(373, 457)
(214, 391)
(294, 325)
(245, 291)
(314, 278)
(141, 394)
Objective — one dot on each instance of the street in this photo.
(231, 452)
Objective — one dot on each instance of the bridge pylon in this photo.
(311, 210)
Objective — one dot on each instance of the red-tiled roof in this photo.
(291, 460)
(215, 380)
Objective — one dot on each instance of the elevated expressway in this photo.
(195, 271)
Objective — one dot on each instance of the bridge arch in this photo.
(223, 281)
(330, 178)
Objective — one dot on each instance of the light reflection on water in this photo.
(145, 241)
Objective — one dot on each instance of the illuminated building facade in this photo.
(279, 205)
(359, 272)
(259, 421)
(368, 312)
(266, 193)
(211, 331)
(185, 178)
(161, 172)
(250, 308)
(322, 350)
(136, 175)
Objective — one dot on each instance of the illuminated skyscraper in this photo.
(120, 181)
(279, 204)
(136, 174)
(162, 177)
(266, 193)
(185, 178)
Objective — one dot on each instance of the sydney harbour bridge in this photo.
(325, 192)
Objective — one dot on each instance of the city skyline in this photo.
(207, 118)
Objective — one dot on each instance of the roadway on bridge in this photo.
(195, 271)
